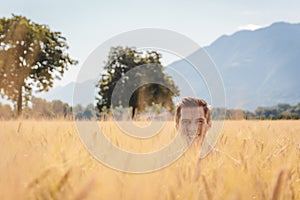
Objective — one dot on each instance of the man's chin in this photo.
(191, 140)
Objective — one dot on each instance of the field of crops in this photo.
(252, 160)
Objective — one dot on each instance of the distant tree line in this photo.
(281, 111)
(56, 109)
(42, 109)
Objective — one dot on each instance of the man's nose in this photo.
(193, 127)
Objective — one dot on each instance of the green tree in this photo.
(84, 113)
(120, 61)
(272, 117)
(31, 56)
(283, 107)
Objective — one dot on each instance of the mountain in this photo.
(66, 93)
(258, 68)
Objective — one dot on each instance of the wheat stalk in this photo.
(278, 185)
(207, 191)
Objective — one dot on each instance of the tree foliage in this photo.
(48, 110)
(84, 113)
(120, 61)
(31, 56)
(281, 111)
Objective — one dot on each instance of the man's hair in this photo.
(192, 102)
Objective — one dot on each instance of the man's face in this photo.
(192, 124)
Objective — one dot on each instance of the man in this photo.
(192, 120)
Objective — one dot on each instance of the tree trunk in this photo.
(133, 115)
(19, 103)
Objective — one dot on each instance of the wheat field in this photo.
(46, 160)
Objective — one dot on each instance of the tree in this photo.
(120, 61)
(41, 109)
(60, 109)
(283, 107)
(84, 113)
(6, 112)
(31, 57)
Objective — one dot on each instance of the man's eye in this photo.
(200, 122)
(185, 122)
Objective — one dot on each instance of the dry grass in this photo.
(46, 160)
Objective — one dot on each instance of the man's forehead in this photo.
(192, 112)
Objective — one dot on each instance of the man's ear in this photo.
(209, 124)
(176, 126)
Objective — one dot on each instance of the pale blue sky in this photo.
(87, 24)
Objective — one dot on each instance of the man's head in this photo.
(192, 118)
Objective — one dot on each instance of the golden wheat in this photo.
(46, 160)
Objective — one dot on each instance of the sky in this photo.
(87, 24)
